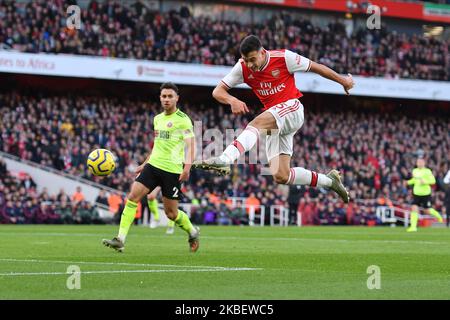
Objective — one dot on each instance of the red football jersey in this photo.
(274, 83)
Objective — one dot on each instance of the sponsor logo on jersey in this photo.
(268, 90)
(163, 134)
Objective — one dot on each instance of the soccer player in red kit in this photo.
(270, 74)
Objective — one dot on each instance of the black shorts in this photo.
(152, 177)
(422, 201)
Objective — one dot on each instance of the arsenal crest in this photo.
(275, 73)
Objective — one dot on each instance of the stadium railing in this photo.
(278, 214)
(391, 215)
(396, 214)
(281, 213)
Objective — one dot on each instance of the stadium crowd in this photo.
(21, 203)
(376, 151)
(113, 29)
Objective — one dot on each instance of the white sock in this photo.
(244, 142)
(302, 176)
(122, 237)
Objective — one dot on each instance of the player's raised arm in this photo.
(189, 151)
(346, 81)
(140, 167)
(189, 158)
(296, 62)
(220, 92)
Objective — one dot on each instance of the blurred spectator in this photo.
(62, 196)
(65, 213)
(87, 214)
(209, 216)
(223, 217)
(27, 182)
(12, 213)
(102, 198)
(2, 168)
(293, 202)
(114, 202)
(78, 196)
(252, 204)
(239, 216)
(52, 217)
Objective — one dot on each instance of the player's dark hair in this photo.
(249, 44)
(168, 85)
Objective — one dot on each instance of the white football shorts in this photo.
(289, 117)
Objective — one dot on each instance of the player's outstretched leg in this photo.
(244, 142)
(215, 164)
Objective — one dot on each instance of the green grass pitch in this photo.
(232, 263)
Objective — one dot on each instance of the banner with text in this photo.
(203, 75)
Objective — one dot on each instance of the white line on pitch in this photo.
(125, 264)
(13, 274)
(248, 238)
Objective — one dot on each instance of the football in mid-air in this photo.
(101, 162)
